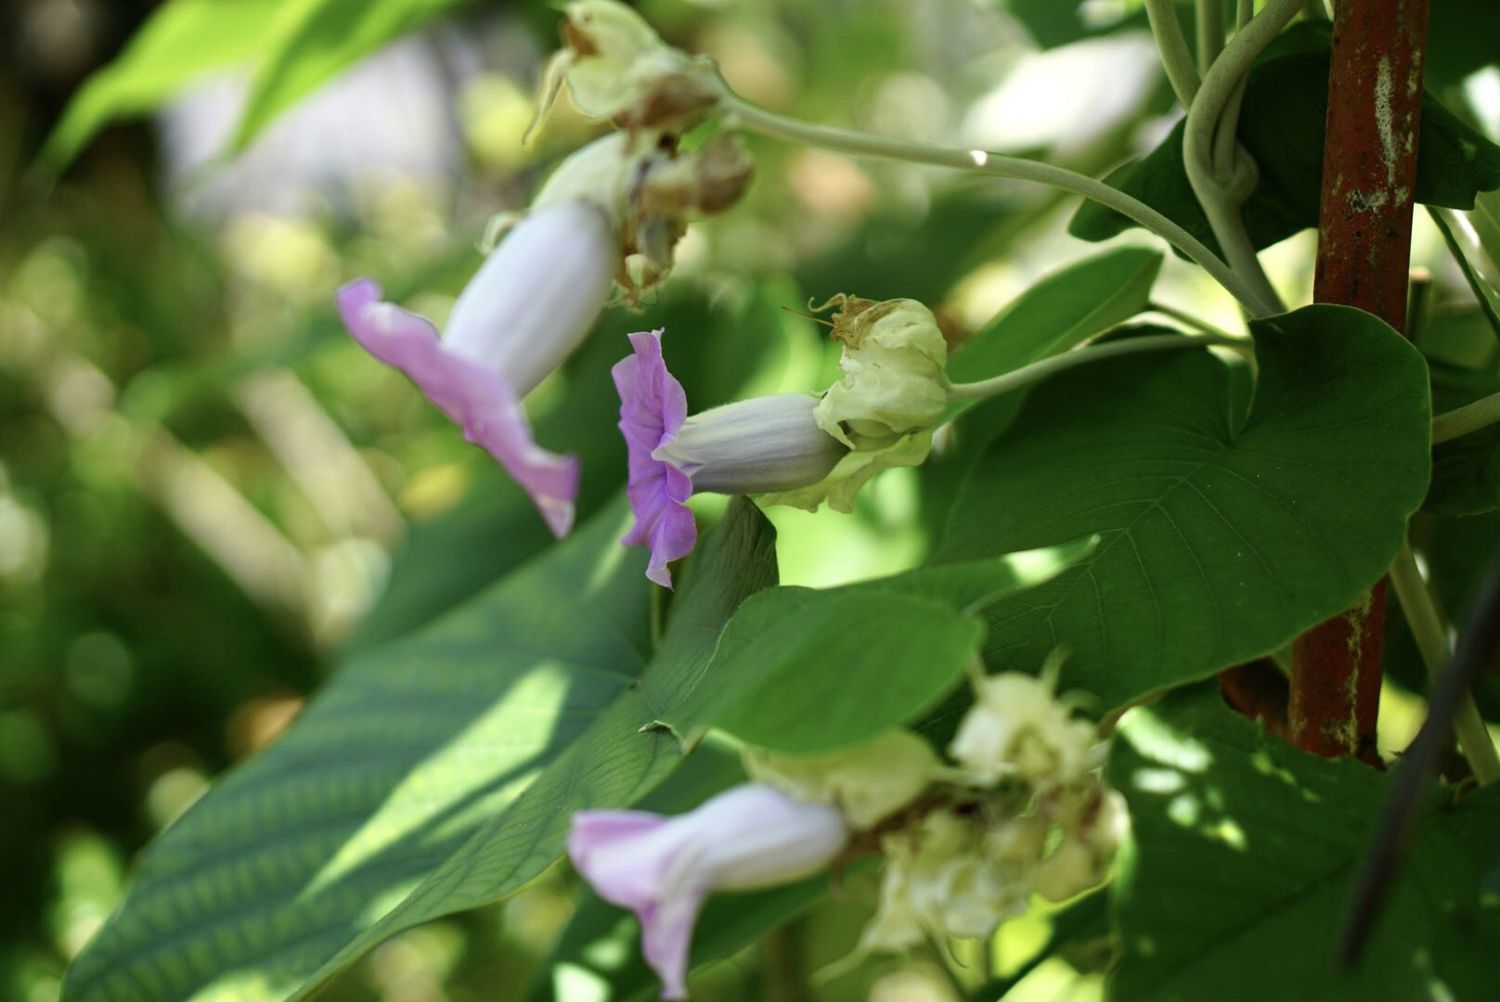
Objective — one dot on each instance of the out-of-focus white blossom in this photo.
(939, 880)
(1018, 728)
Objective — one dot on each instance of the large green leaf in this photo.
(1454, 162)
(1223, 534)
(183, 40)
(435, 774)
(1243, 852)
(804, 670)
(388, 772)
(1059, 312)
(616, 760)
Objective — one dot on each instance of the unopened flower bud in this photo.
(868, 782)
(890, 397)
(529, 306)
(616, 67)
(1018, 728)
(764, 444)
(749, 837)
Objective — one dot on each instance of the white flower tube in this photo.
(537, 295)
(769, 443)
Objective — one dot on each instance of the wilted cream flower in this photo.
(867, 782)
(940, 880)
(650, 190)
(1094, 822)
(617, 67)
(1018, 728)
(891, 395)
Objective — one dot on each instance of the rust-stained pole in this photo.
(1364, 252)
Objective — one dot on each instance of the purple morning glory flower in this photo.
(529, 306)
(661, 868)
(770, 443)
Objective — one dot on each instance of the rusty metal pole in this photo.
(1364, 253)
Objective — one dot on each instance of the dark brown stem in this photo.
(1364, 251)
(1258, 689)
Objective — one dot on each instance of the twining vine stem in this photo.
(1209, 18)
(1223, 182)
(1027, 374)
(1171, 43)
(861, 144)
(1431, 635)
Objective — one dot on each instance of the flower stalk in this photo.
(861, 144)
(1036, 371)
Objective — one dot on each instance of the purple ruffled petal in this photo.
(477, 399)
(652, 409)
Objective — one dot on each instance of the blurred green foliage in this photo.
(176, 576)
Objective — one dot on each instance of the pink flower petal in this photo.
(662, 868)
(666, 935)
(477, 399)
(652, 409)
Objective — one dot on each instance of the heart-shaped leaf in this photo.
(1222, 535)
